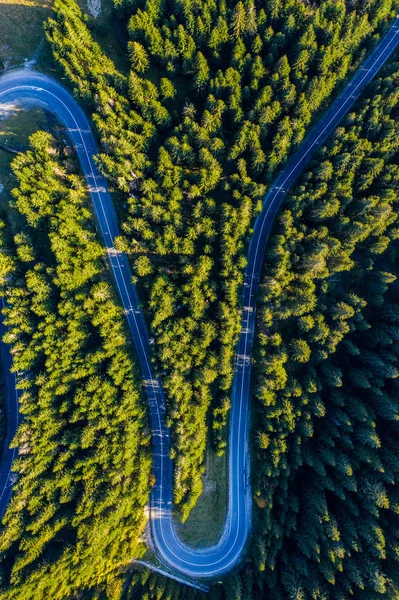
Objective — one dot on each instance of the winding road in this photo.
(24, 85)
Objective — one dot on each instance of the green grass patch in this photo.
(21, 29)
(211, 505)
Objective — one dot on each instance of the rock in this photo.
(94, 7)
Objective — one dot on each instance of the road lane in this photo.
(215, 560)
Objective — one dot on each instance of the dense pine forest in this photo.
(82, 474)
(217, 95)
(326, 392)
(327, 369)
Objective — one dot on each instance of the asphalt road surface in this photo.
(213, 561)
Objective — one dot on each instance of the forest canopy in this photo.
(325, 437)
(217, 95)
(326, 388)
(82, 472)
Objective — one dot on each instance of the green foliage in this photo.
(217, 97)
(82, 473)
(325, 431)
(150, 586)
(327, 411)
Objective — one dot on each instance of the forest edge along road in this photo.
(24, 85)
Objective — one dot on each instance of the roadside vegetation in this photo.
(3, 414)
(77, 510)
(14, 134)
(216, 97)
(327, 366)
(210, 507)
(325, 434)
(16, 126)
(326, 385)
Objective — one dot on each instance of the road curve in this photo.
(220, 558)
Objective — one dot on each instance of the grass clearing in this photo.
(21, 29)
(204, 525)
